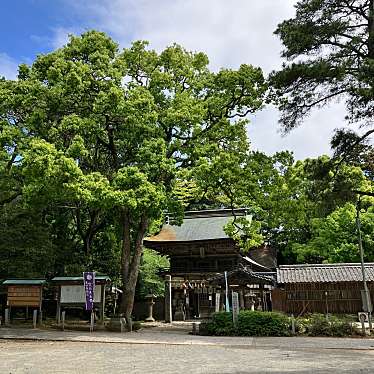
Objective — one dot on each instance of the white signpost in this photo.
(227, 305)
(235, 307)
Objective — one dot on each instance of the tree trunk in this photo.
(126, 246)
(370, 41)
(130, 267)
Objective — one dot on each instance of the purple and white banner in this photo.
(89, 286)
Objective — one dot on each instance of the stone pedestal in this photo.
(150, 303)
(116, 324)
(7, 317)
(179, 313)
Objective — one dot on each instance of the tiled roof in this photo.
(98, 278)
(324, 273)
(24, 282)
(198, 225)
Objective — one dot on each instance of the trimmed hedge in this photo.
(220, 325)
(256, 323)
(250, 323)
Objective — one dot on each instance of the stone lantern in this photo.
(150, 303)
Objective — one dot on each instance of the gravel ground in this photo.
(41, 357)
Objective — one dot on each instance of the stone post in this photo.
(168, 310)
(150, 303)
(34, 318)
(63, 315)
(7, 317)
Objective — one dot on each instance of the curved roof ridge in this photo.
(325, 265)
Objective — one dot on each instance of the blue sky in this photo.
(27, 26)
(230, 32)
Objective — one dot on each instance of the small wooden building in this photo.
(24, 293)
(71, 294)
(321, 288)
(200, 250)
(253, 288)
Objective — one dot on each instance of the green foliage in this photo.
(106, 137)
(149, 281)
(349, 147)
(285, 198)
(221, 324)
(255, 323)
(26, 243)
(334, 238)
(106, 254)
(329, 47)
(250, 323)
(319, 325)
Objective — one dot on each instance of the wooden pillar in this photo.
(58, 309)
(187, 303)
(102, 303)
(198, 305)
(168, 309)
(241, 299)
(262, 297)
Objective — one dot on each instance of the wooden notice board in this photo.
(24, 295)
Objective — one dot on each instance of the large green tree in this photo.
(106, 133)
(329, 49)
(284, 196)
(334, 238)
(305, 191)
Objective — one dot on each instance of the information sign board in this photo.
(75, 294)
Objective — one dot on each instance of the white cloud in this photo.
(309, 140)
(61, 35)
(8, 66)
(231, 33)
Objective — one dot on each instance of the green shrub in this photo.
(221, 324)
(341, 328)
(255, 323)
(319, 325)
(250, 323)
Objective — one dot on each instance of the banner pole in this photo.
(227, 307)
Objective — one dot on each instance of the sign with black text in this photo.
(89, 286)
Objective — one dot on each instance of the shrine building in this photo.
(200, 253)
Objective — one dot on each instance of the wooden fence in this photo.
(337, 298)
